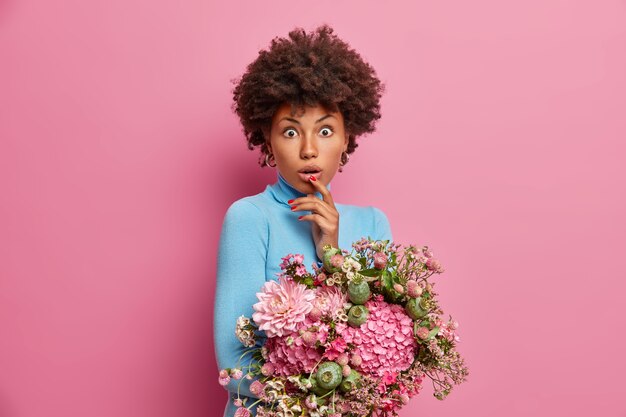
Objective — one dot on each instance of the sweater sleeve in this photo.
(381, 225)
(241, 261)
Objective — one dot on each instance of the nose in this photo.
(309, 147)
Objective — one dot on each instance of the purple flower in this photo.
(257, 387)
(267, 369)
(242, 412)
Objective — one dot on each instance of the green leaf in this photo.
(387, 281)
(372, 272)
(433, 332)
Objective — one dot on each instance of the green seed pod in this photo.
(329, 253)
(329, 375)
(357, 315)
(315, 387)
(351, 381)
(358, 291)
(416, 308)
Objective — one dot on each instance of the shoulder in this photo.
(370, 212)
(258, 205)
(379, 215)
(244, 206)
(367, 219)
(245, 214)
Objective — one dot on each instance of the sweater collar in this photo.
(283, 191)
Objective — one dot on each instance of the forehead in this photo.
(303, 113)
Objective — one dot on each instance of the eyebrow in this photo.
(295, 121)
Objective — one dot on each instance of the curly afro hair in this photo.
(306, 70)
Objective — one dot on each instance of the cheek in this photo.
(285, 153)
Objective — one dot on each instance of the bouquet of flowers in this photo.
(356, 337)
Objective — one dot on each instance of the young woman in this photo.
(303, 102)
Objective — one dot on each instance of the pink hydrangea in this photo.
(385, 341)
(282, 306)
(336, 348)
(291, 355)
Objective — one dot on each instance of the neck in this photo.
(283, 191)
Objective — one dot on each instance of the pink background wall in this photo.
(503, 133)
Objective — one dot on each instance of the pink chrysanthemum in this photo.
(282, 306)
(385, 341)
(330, 300)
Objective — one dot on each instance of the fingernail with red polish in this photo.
(313, 178)
(300, 218)
(289, 202)
(293, 208)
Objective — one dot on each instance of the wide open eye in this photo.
(290, 133)
(326, 131)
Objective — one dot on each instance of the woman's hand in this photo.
(324, 216)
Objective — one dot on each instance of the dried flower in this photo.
(310, 402)
(380, 260)
(413, 289)
(343, 359)
(422, 332)
(434, 265)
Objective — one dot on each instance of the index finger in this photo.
(319, 186)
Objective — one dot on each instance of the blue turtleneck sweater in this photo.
(256, 233)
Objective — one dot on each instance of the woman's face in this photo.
(313, 137)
